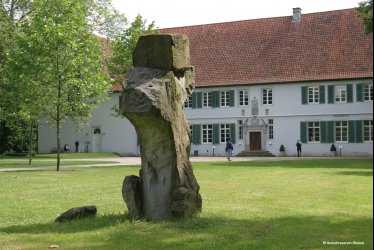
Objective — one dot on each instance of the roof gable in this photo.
(322, 46)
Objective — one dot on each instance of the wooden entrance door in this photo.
(255, 141)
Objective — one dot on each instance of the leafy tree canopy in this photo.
(365, 10)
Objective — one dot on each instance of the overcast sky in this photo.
(175, 13)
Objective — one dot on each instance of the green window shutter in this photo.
(322, 95)
(194, 100)
(324, 131)
(232, 98)
(327, 131)
(199, 97)
(330, 132)
(331, 93)
(359, 92)
(215, 99)
(304, 95)
(351, 132)
(359, 132)
(215, 133)
(349, 93)
(196, 134)
(303, 132)
(233, 132)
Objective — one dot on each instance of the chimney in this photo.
(296, 17)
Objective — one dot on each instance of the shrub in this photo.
(332, 148)
(282, 148)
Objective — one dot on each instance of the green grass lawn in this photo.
(24, 163)
(246, 205)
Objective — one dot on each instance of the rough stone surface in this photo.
(162, 52)
(152, 101)
(77, 213)
(131, 193)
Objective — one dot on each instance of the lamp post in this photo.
(340, 151)
(213, 149)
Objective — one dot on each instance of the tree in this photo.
(365, 10)
(124, 44)
(66, 62)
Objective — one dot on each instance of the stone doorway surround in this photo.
(257, 129)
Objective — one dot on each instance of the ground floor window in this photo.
(313, 132)
(368, 130)
(207, 133)
(240, 128)
(225, 132)
(270, 129)
(341, 131)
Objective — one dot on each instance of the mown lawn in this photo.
(246, 205)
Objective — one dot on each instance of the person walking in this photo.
(298, 147)
(77, 147)
(229, 148)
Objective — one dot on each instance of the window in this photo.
(270, 129)
(313, 94)
(368, 92)
(240, 127)
(225, 132)
(207, 133)
(243, 98)
(341, 131)
(313, 132)
(207, 99)
(368, 130)
(341, 94)
(267, 96)
(225, 98)
(188, 102)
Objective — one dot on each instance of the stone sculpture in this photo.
(154, 93)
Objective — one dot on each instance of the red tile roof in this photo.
(322, 46)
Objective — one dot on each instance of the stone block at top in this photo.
(168, 52)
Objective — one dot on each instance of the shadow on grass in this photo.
(356, 173)
(210, 232)
(307, 163)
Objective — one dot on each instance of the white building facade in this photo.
(263, 83)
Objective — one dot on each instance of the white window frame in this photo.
(368, 92)
(313, 95)
(240, 129)
(225, 98)
(207, 133)
(207, 99)
(267, 96)
(314, 131)
(368, 130)
(341, 94)
(224, 132)
(341, 131)
(270, 129)
(243, 98)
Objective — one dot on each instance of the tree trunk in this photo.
(58, 145)
(30, 142)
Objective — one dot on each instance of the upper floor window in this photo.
(267, 96)
(368, 130)
(313, 132)
(341, 131)
(243, 98)
(368, 92)
(313, 94)
(207, 99)
(207, 133)
(225, 98)
(188, 102)
(341, 94)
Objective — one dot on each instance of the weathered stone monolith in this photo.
(154, 93)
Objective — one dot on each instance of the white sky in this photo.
(175, 13)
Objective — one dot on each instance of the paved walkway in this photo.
(129, 161)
